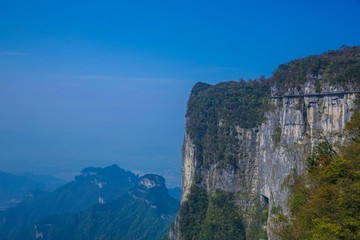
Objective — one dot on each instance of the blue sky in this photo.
(99, 82)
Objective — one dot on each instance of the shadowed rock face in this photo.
(258, 163)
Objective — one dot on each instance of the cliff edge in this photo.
(245, 142)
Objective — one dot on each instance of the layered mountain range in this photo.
(245, 144)
(13, 188)
(101, 203)
(246, 141)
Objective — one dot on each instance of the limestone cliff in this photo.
(251, 138)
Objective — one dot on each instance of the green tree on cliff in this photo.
(222, 220)
(325, 203)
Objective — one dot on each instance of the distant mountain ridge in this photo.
(14, 188)
(109, 203)
(175, 193)
(144, 212)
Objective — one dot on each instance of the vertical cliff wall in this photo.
(288, 137)
(250, 139)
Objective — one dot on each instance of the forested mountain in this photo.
(144, 212)
(105, 201)
(246, 143)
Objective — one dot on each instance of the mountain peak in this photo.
(152, 181)
(96, 170)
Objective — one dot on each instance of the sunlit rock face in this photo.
(152, 181)
(189, 165)
(267, 157)
(292, 131)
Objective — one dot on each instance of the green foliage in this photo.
(259, 215)
(336, 67)
(210, 218)
(214, 111)
(325, 202)
(242, 103)
(192, 213)
(353, 127)
(222, 220)
(318, 86)
(276, 210)
(322, 154)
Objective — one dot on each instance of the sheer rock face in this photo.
(188, 166)
(270, 155)
(300, 129)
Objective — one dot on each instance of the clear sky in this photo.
(92, 83)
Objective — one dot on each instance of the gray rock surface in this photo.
(270, 155)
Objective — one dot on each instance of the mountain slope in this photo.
(248, 140)
(93, 186)
(13, 188)
(144, 212)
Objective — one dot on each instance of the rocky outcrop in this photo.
(251, 138)
(152, 181)
(267, 157)
(292, 131)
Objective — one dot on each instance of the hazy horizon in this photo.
(96, 84)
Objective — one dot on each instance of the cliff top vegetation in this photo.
(337, 67)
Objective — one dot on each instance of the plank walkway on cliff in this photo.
(315, 94)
